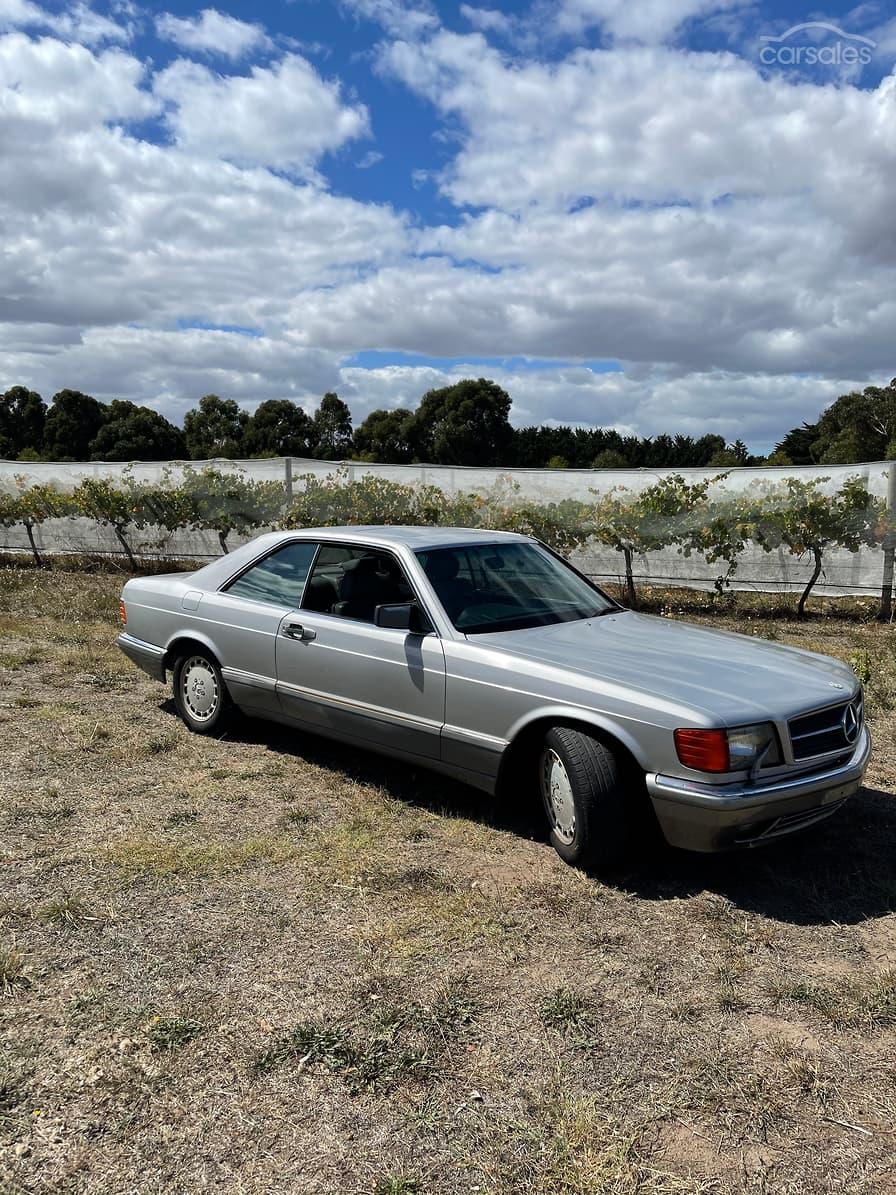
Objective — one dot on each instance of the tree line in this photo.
(464, 424)
(702, 518)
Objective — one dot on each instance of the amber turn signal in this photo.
(703, 750)
(122, 614)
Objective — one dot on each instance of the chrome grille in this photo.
(836, 728)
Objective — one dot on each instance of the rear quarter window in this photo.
(279, 579)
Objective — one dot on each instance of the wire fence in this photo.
(761, 566)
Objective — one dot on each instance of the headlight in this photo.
(734, 750)
(746, 743)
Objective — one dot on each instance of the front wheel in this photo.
(200, 695)
(582, 787)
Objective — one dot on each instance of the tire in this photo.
(582, 785)
(200, 694)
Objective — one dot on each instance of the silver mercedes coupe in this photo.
(486, 656)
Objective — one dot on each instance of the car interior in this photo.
(352, 582)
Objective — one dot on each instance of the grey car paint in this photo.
(457, 702)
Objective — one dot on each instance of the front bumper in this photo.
(714, 817)
(145, 655)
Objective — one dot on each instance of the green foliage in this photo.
(215, 428)
(117, 505)
(166, 1034)
(72, 423)
(700, 517)
(227, 502)
(279, 428)
(384, 436)
(336, 501)
(29, 506)
(669, 512)
(857, 427)
(132, 433)
(731, 456)
(799, 516)
(22, 416)
(610, 458)
(719, 530)
(463, 424)
(561, 525)
(332, 429)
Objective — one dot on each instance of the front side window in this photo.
(279, 578)
(351, 582)
(509, 586)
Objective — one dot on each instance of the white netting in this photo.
(844, 571)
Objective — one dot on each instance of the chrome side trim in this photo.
(253, 679)
(363, 708)
(462, 735)
(746, 796)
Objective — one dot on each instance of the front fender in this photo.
(615, 728)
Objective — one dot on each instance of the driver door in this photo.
(341, 675)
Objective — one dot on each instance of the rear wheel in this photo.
(583, 792)
(200, 695)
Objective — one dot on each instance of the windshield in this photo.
(508, 586)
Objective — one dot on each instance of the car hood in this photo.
(737, 678)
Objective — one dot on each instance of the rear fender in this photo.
(172, 650)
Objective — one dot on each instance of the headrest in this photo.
(361, 565)
(442, 566)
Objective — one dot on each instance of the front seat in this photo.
(455, 593)
(360, 589)
(321, 595)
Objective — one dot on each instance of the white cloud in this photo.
(487, 20)
(172, 370)
(646, 125)
(101, 228)
(78, 22)
(717, 232)
(213, 32)
(402, 18)
(283, 116)
(645, 21)
(15, 14)
(49, 88)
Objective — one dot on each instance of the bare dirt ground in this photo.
(268, 964)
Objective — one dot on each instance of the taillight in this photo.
(122, 614)
(703, 750)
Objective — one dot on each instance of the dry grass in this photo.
(268, 964)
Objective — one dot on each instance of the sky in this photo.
(654, 215)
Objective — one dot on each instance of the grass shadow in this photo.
(840, 870)
(407, 782)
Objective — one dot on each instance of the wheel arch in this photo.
(185, 641)
(528, 734)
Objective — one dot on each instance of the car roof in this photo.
(415, 538)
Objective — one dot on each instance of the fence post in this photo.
(886, 593)
(287, 477)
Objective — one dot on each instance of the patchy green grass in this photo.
(171, 1033)
(65, 910)
(164, 857)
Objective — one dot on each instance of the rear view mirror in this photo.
(402, 616)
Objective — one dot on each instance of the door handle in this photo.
(295, 630)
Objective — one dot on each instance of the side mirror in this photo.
(402, 616)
